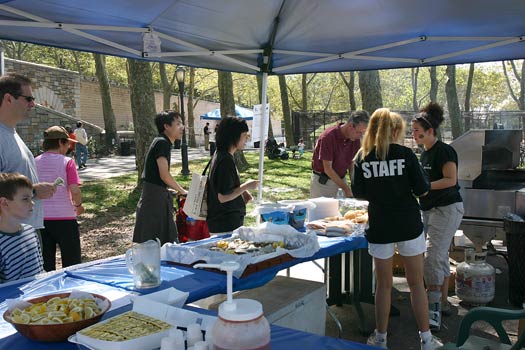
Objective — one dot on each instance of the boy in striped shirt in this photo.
(20, 253)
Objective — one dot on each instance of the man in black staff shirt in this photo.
(155, 207)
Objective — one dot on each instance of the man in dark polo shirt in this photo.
(333, 156)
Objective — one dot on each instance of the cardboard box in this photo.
(290, 302)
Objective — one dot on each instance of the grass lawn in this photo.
(115, 197)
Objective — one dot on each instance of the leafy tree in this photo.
(142, 108)
(468, 94)
(433, 84)
(370, 86)
(350, 85)
(516, 83)
(228, 109)
(453, 102)
(287, 115)
(166, 85)
(190, 109)
(414, 75)
(110, 124)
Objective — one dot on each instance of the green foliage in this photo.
(326, 91)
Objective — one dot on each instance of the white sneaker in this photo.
(376, 341)
(434, 314)
(431, 344)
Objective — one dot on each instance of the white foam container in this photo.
(324, 207)
(175, 316)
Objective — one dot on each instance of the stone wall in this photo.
(58, 89)
(91, 105)
(41, 118)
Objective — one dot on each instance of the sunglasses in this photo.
(29, 99)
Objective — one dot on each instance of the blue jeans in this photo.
(81, 153)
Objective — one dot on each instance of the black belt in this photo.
(320, 174)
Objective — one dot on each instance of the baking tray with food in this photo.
(254, 248)
(353, 222)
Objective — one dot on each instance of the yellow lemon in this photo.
(22, 318)
(89, 312)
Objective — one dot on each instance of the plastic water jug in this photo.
(143, 261)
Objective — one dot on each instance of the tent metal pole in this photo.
(2, 63)
(262, 134)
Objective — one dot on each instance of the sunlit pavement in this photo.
(103, 168)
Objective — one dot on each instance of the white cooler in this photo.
(290, 302)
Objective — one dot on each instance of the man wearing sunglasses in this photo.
(16, 103)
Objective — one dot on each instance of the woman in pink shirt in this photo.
(61, 210)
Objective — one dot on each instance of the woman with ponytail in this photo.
(442, 207)
(389, 176)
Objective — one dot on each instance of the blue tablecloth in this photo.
(112, 275)
(281, 339)
(201, 283)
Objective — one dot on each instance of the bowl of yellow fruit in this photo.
(54, 317)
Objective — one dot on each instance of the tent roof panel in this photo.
(189, 28)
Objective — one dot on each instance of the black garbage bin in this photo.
(515, 232)
(125, 148)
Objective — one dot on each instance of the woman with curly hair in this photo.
(442, 207)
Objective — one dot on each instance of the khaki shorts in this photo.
(411, 247)
(323, 190)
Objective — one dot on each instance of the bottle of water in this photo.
(340, 196)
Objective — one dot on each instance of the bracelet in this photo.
(78, 205)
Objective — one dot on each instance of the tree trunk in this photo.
(227, 101)
(110, 124)
(468, 93)
(414, 72)
(190, 108)
(304, 93)
(225, 83)
(167, 88)
(287, 115)
(143, 109)
(453, 102)
(433, 84)
(350, 86)
(370, 86)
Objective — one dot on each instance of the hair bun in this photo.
(434, 112)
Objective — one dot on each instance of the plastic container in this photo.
(242, 327)
(347, 204)
(275, 213)
(475, 279)
(241, 324)
(324, 207)
(299, 212)
(515, 233)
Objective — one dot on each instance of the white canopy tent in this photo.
(276, 36)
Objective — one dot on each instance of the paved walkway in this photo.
(103, 168)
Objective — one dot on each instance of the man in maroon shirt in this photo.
(333, 156)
